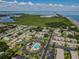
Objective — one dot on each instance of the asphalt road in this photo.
(46, 48)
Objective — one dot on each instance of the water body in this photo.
(72, 14)
(6, 19)
(74, 17)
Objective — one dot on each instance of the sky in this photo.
(39, 5)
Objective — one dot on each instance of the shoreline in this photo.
(74, 22)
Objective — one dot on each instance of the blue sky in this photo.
(39, 5)
(66, 2)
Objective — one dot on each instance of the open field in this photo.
(39, 21)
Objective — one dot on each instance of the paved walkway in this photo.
(60, 53)
(74, 55)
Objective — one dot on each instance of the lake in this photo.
(6, 19)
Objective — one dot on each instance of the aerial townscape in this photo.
(39, 29)
(39, 37)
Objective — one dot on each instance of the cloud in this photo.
(74, 6)
(58, 5)
(50, 4)
(22, 3)
(0, 0)
(30, 6)
(33, 4)
(61, 5)
(38, 4)
(30, 3)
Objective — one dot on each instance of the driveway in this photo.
(60, 53)
(74, 55)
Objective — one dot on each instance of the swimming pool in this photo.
(36, 46)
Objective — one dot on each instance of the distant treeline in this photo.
(56, 24)
(2, 15)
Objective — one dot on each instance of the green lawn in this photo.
(67, 54)
(78, 51)
(38, 21)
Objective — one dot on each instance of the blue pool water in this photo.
(36, 45)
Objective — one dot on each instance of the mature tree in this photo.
(3, 46)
